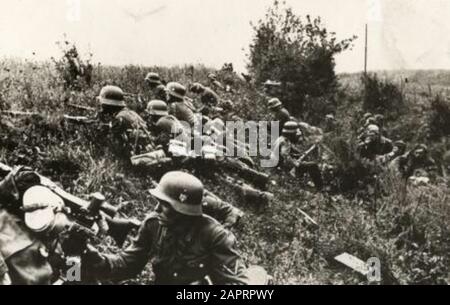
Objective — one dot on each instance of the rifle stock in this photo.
(306, 154)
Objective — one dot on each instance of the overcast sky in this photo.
(411, 34)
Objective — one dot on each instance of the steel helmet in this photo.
(270, 83)
(197, 88)
(372, 128)
(169, 124)
(274, 103)
(157, 107)
(39, 204)
(290, 127)
(367, 115)
(379, 118)
(176, 90)
(112, 96)
(184, 192)
(227, 105)
(153, 78)
(212, 76)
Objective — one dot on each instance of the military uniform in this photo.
(406, 166)
(224, 212)
(287, 154)
(371, 151)
(183, 257)
(159, 93)
(129, 129)
(182, 112)
(209, 100)
(282, 115)
(25, 256)
(184, 245)
(177, 104)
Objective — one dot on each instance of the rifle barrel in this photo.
(19, 113)
(82, 107)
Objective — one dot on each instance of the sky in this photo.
(403, 34)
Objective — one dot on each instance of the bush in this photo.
(74, 71)
(439, 119)
(381, 96)
(299, 53)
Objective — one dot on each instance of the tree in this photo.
(298, 52)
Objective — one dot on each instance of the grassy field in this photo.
(407, 227)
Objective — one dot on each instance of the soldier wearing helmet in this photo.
(208, 98)
(157, 88)
(214, 83)
(125, 124)
(289, 148)
(184, 245)
(415, 160)
(271, 88)
(178, 107)
(280, 113)
(155, 110)
(372, 144)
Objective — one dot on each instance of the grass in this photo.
(405, 226)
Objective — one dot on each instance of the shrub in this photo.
(381, 96)
(439, 119)
(75, 72)
(298, 52)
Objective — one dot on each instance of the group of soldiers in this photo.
(375, 148)
(187, 236)
(182, 236)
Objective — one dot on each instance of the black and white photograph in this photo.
(191, 143)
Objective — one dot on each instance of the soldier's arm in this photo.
(286, 156)
(222, 211)
(131, 261)
(226, 266)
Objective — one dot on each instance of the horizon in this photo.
(403, 35)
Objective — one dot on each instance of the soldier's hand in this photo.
(93, 259)
(233, 219)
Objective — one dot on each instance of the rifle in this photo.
(248, 192)
(306, 154)
(81, 107)
(84, 120)
(19, 113)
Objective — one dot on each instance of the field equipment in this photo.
(246, 191)
(90, 219)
